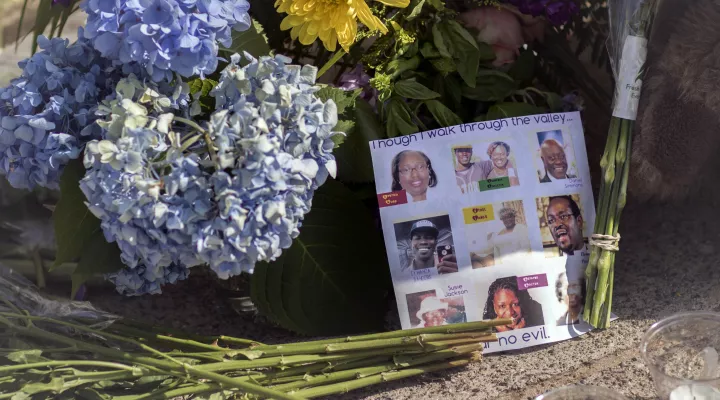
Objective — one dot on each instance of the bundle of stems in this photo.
(52, 358)
(615, 166)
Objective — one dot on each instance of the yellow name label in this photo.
(475, 214)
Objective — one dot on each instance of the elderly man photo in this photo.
(423, 237)
(467, 172)
(554, 160)
(565, 223)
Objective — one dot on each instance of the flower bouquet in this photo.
(233, 133)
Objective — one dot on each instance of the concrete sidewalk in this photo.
(668, 264)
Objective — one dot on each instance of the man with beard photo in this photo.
(565, 223)
(553, 157)
(467, 172)
(424, 240)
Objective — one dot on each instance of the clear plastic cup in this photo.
(681, 353)
(581, 392)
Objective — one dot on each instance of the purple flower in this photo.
(358, 79)
(557, 12)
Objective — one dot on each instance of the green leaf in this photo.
(203, 86)
(343, 99)
(26, 356)
(428, 51)
(439, 41)
(491, 85)
(444, 65)
(55, 385)
(252, 41)
(554, 101)
(442, 114)
(353, 157)
(417, 7)
(508, 110)
(74, 224)
(399, 120)
(523, 69)
(411, 89)
(464, 49)
(327, 282)
(97, 258)
(438, 4)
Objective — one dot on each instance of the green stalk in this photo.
(321, 358)
(296, 373)
(344, 387)
(341, 376)
(334, 59)
(174, 365)
(65, 363)
(480, 326)
(315, 348)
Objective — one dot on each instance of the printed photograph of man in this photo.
(425, 309)
(419, 241)
(571, 295)
(468, 172)
(554, 157)
(505, 300)
(412, 172)
(562, 219)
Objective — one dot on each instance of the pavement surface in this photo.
(668, 264)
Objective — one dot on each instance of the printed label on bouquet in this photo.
(460, 251)
(629, 82)
(496, 183)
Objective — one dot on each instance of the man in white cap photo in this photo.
(432, 312)
(423, 237)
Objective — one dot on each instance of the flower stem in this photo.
(334, 59)
(344, 387)
(208, 140)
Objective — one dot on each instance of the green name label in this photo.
(492, 184)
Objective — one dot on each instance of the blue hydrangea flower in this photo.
(169, 204)
(47, 114)
(165, 35)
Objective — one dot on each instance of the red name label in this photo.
(392, 198)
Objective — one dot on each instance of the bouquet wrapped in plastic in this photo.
(631, 23)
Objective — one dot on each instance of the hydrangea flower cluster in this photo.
(231, 201)
(557, 12)
(47, 113)
(165, 35)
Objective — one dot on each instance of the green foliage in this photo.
(353, 158)
(203, 88)
(445, 76)
(75, 225)
(343, 99)
(253, 41)
(508, 110)
(334, 278)
(54, 16)
(411, 89)
(399, 120)
(77, 231)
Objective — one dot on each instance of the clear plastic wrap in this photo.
(630, 22)
(18, 293)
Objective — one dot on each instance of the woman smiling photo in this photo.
(412, 172)
(499, 154)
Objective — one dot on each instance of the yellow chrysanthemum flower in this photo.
(333, 21)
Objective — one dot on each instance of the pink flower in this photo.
(505, 29)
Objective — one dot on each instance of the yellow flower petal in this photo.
(332, 21)
(395, 3)
(366, 17)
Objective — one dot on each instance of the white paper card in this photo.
(489, 220)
